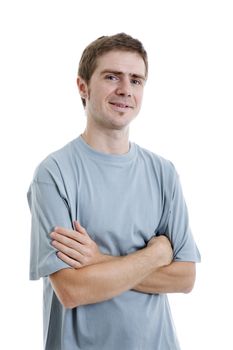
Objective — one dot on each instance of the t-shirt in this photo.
(122, 201)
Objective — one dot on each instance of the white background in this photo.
(185, 117)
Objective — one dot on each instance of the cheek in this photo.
(95, 101)
(95, 94)
(139, 97)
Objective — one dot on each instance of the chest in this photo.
(120, 207)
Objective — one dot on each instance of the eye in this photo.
(111, 77)
(136, 81)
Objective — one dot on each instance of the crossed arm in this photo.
(96, 277)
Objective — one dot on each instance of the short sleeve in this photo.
(48, 209)
(178, 229)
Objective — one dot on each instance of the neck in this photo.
(107, 141)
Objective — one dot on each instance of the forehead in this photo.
(121, 61)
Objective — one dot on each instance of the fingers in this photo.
(70, 256)
(79, 228)
(63, 241)
(74, 235)
(155, 239)
(75, 245)
(73, 263)
(72, 253)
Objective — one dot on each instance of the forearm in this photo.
(105, 280)
(178, 277)
(96, 277)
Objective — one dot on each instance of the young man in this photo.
(110, 231)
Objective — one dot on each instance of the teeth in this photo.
(120, 105)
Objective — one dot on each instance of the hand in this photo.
(164, 252)
(75, 248)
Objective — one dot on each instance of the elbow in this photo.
(70, 298)
(64, 292)
(67, 302)
(188, 289)
(189, 283)
(189, 277)
(69, 305)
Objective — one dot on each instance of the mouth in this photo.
(120, 105)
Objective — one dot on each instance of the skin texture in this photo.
(118, 81)
(101, 277)
(113, 99)
(104, 277)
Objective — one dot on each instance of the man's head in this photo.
(103, 45)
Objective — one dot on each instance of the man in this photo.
(110, 231)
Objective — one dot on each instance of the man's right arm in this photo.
(107, 279)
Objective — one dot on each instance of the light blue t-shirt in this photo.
(122, 201)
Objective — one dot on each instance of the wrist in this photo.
(105, 258)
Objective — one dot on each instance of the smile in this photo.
(120, 105)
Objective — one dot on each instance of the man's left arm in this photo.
(178, 277)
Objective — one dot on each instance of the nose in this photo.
(124, 87)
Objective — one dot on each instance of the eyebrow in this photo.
(133, 75)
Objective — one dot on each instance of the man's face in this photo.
(114, 93)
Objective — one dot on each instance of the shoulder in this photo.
(51, 169)
(163, 167)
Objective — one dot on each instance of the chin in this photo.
(121, 124)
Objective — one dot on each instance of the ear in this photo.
(82, 87)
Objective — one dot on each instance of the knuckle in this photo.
(89, 253)
(85, 251)
(85, 260)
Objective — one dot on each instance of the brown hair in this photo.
(104, 44)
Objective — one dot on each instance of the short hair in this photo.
(104, 44)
